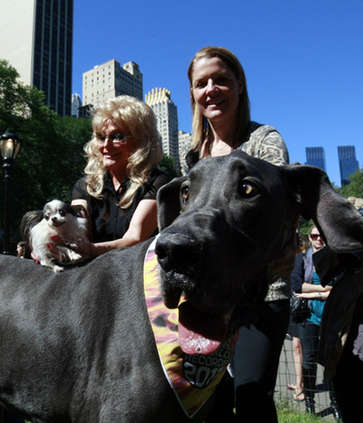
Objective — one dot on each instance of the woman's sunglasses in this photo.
(117, 138)
(315, 236)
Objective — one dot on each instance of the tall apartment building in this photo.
(167, 121)
(36, 39)
(111, 80)
(315, 157)
(348, 163)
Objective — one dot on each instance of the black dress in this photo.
(109, 221)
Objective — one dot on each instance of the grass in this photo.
(288, 415)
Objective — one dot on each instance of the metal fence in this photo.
(286, 375)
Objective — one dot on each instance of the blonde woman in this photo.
(122, 175)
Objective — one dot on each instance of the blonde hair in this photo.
(200, 123)
(312, 228)
(140, 121)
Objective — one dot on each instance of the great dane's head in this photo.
(224, 227)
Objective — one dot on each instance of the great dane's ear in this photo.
(336, 218)
(169, 202)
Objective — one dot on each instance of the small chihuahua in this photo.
(60, 219)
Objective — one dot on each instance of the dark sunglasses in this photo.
(315, 236)
(119, 138)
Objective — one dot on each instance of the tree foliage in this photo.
(305, 226)
(168, 165)
(355, 187)
(51, 158)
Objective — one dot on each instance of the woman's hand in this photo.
(85, 248)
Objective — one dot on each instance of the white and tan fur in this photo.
(62, 220)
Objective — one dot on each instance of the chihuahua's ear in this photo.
(29, 220)
(169, 202)
(336, 218)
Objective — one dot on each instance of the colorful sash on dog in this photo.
(192, 377)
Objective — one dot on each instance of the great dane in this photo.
(78, 346)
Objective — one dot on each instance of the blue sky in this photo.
(303, 59)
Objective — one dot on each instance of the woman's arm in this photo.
(309, 287)
(318, 295)
(143, 224)
(297, 275)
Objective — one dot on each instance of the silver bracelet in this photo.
(319, 295)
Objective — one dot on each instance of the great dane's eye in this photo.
(249, 190)
(184, 194)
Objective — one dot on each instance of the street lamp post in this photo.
(10, 145)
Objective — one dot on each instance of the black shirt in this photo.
(110, 222)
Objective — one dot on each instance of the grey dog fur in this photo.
(78, 347)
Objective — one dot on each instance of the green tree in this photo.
(168, 165)
(305, 226)
(355, 187)
(73, 134)
(51, 159)
(14, 98)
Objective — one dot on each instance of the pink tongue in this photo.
(199, 333)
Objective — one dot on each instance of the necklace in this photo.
(219, 149)
(210, 145)
(210, 148)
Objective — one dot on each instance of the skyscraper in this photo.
(348, 164)
(167, 121)
(36, 39)
(111, 80)
(76, 104)
(315, 157)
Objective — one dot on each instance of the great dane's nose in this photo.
(178, 252)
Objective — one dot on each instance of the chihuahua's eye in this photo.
(184, 194)
(62, 212)
(47, 216)
(249, 189)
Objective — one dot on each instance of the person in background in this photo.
(306, 284)
(298, 386)
(22, 250)
(222, 124)
(122, 176)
